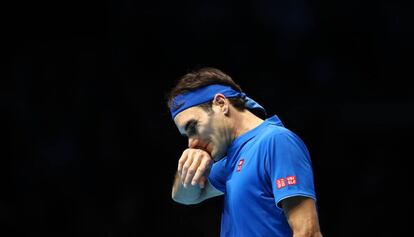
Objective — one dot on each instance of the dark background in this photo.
(89, 148)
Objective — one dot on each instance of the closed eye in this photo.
(191, 127)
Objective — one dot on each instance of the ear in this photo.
(222, 102)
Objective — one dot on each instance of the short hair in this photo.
(204, 77)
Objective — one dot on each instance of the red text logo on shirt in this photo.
(282, 182)
(239, 165)
(291, 180)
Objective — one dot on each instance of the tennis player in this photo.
(263, 169)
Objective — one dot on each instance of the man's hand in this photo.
(194, 166)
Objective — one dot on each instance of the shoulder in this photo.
(274, 132)
(279, 137)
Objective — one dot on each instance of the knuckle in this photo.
(199, 159)
(209, 161)
(184, 154)
(191, 172)
(196, 155)
(206, 162)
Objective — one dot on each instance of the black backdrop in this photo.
(89, 148)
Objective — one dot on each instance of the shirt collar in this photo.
(245, 137)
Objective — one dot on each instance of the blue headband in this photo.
(206, 94)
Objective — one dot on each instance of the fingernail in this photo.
(193, 183)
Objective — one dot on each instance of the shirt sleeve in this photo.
(290, 167)
(217, 176)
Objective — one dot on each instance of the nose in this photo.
(193, 142)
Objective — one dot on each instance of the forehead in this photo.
(188, 114)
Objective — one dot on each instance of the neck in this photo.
(244, 122)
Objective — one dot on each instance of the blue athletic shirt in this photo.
(262, 167)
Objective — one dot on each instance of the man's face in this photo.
(205, 130)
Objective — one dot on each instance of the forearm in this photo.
(305, 226)
(189, 195)
(314, 234)
(302, 216)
